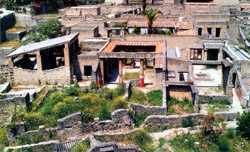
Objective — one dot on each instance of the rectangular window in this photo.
(183, 76)
(217, 32)
(171, 74)
(199, 31)
(87, 70)
(196, 54)
(209, 30)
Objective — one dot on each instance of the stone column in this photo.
(120, 72)
(39, 61)
(141, 73)
(66, 55)
(220, 55)
(101, 80)
(10, 62)
(209, 7)
(203, 55)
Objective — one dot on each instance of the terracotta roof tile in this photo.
(158, 61)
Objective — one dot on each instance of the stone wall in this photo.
(25, 20)
(181, 41)
(15, 36)
(120, 119)
(85, 32)
(42, 146)
(70, 126)
(157, 121)
(82, 11)
(219, 98)
(10, 104)
(59, 75)
(150, 110)
(7, 21)
(85, 60)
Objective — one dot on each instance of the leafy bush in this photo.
(135, 30)
(82, 146)
(169, 32)
(155, 97)
(120, 103)
(104, 113)
(33, 120)
(3, 137)
(187, 123)
(51, 28)
(142, 139)
(93, 85)
(162, 141)
(244, 125)
(120, 90)
(179, 107)
(139, 119)
(71, 91)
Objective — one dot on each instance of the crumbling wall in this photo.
(120, 119)
(217, 98)
(150, 110)
(59, 75)
(10, 104)
(7, 21)
(82, 11)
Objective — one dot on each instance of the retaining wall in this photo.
(150, 110)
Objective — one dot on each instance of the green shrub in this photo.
(138, 96)
(3, 136)
(33, 120)
(87, 116)
(120, 103)
(244, 125)
(104, 113)
(139, 119)
(93, 85)
(223, 143)
(82, 146)
(135, 30)
(155, 97)
(120, 90)
(162, 141)
(187, 123)
(71, 91)
(142, 139)
(169, 32)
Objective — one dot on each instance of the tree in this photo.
(51, 28)
(244, 125)
(151, 15)
(135, 30)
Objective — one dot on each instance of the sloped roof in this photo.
(43, 45)
(111, 46)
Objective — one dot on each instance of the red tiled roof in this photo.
(158, 61)
(111, 46)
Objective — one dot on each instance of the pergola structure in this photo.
(47, 55)
(118, 52)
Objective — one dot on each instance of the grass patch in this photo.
(17, 29)
(155, 97)
(3, 137)
(130, 76)
(180, 107)
(138, 96)
(213, 104)
(59, 104)
(14, 44)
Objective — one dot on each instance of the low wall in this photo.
(70, 125)
(205, 99)
(10, 104)
(15, 36)
(156, 121)
(59, 75)
(42, 146)
(150, 110)
(120, 119)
